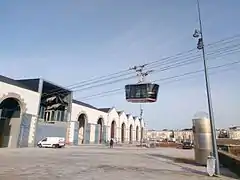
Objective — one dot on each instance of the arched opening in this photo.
(100, 123)
(10, 112)
(113, 129)
(141, 133)
(82, 120)
(123, 128)
(130, 133)
(137, 133)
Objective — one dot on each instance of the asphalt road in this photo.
(97, 163)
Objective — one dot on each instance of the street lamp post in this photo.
(199, 34)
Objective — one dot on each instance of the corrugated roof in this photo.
(31, 83)
(83, 104)
(128, 115)
(106, 110)
(120, 112)
(14, 82)
(135, 117)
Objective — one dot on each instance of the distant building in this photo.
(158, 134)
(179, 135)
(234, 132)
(184, 135)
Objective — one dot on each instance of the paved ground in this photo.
(97, 162)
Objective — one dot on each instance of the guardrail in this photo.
(230, 148)
(229, 161)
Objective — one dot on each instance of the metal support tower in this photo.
(141, 118)
(141, 78)
(199, 34)
(140, 73)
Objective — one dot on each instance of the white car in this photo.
(53, 142)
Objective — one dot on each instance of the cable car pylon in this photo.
(140, 74)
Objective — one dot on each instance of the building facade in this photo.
(178, 135)
(234, 132)
(32, 109)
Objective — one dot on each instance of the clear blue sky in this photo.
(70, 41)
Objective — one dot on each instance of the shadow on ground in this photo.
(144, 170)
(178, 161)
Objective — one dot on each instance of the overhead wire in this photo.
(177, 64)
(230, 51)
(225, 41)
(127, 72)
(106, 93)
(223, 49)
(172, 66)
(209, 46)
(89, 80)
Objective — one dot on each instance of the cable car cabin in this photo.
(141, 93)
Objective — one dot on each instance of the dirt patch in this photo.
(225, 141)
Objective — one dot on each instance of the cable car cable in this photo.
(166, 59)
(179, 64)
(46, 94)
(210, 53)
(164, 79)
(188, 73)
(117, 92)
(184, 64)
(207, 45)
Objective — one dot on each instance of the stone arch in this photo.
(82, 120)
(113, 129)
(100, 122)
(137, 133)
(16, 96)
(12, 107)
(123, 131)
(130, 133)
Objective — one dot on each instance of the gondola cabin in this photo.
(141, 93)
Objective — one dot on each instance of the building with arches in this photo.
(18, 113)
(123, 126)
(88, 124)
(31, 109)
(137, 126)
(131, 125)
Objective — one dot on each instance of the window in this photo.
(46, 116)
(45, 139)
(62, 115)
(41, 112)
(53, 115)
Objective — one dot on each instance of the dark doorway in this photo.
(137, 133)
(113, 129)
(10, 112)
(123, 129)
(100, 122)
(130, 133)
(82, 119)
(141, 133)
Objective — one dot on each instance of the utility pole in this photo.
(199, 34)
(141, 119)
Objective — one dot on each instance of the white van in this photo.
(54, 142)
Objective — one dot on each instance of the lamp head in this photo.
(196, 33)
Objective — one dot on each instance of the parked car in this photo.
(52, 142)
(187, 145)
